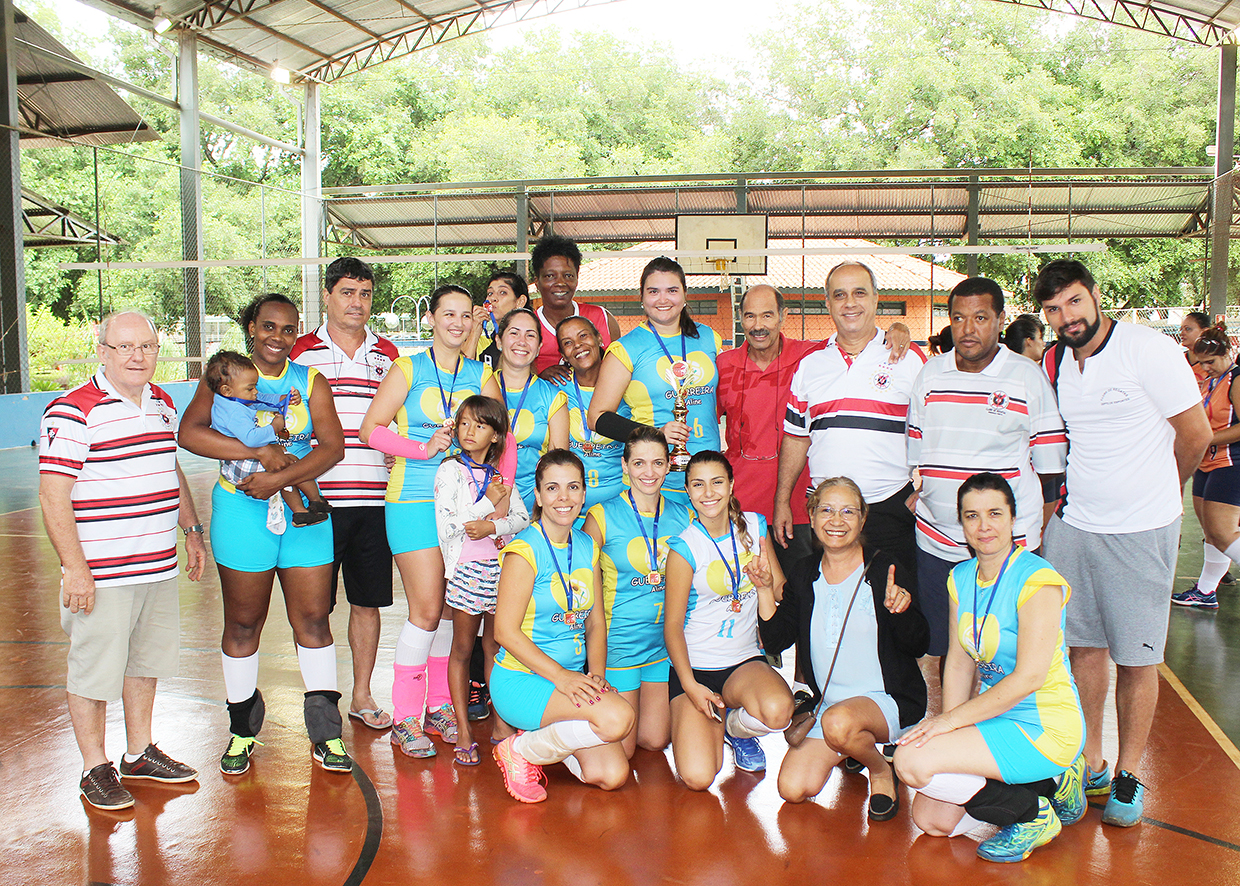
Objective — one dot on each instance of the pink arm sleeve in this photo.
(508, 461)
(387, 440)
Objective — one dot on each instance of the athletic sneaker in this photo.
(479, 701)
(1127, 801)
(1098, 784)
(155, 765)
(1195, 597)
(236, 759)
(441, 722)
(1016, 841)
(1069, 799)
(521, 777)
(332, 756)
(409, 737)
(1227, 579)
(102, 789)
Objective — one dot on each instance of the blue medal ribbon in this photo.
(979, 624)
(446, 398)
(488, 472)
(733, 576)
(568, 588)
(585, 428)
(652, 543)
(684, 357)
(1205, 401)
(513, 414)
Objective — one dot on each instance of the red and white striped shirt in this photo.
(1002, 419)
(126, 494)
(853, 411)
(360, 478)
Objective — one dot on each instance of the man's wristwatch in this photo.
(197, 527)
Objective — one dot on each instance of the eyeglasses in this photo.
(847, 514)
(147, 347)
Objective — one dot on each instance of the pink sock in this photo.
(437, 694)
(408, 691)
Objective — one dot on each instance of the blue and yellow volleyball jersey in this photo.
(554, 626)
(633, 606)
(531, 427)
(651, 393)
(422, 413)
(1050, 717)
(604, 473)
(297, 420)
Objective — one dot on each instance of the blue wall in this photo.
(20, 413)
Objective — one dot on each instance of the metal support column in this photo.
(191, 202)
(13, 355)
(523, 230)
(1225, 145)
(311, 208)
(974, 199)
(737, 289)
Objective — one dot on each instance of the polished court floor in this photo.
(403, 821)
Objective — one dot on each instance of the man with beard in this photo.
(1136, 433)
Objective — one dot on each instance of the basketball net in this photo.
(725, 279)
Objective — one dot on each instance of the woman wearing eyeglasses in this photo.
(858, 634)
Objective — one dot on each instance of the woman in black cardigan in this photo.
(874, 690)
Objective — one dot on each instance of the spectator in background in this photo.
(941, 343)
(555, 263)
(1024, 336)
(506, 290)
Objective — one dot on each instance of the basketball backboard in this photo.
(720, 237)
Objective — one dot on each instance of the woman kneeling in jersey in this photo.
(1010, 755)
(721, 575)
(549, 628)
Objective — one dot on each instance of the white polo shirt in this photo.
(853, 411)
(360, 478)
(1002, 419)
(126, 494)
(1122, 475)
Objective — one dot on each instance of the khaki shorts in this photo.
(133, 631)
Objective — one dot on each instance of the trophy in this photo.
(678, 455)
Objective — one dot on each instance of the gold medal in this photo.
(680, 369)
(653, 579)
(736, 605)
(587, 448)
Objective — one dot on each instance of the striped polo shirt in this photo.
(1002, 419)
(126, 494)
(359, 479)
(853, 411)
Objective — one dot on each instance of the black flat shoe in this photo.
(851, 766)
(882, 807)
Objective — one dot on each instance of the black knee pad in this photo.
(323, 715)
(246, 717)
(1003, 804)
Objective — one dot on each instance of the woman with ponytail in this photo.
(1216, 483)
(722, 576)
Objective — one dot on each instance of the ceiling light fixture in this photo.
(281, 75)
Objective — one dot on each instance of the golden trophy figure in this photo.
(678, 455)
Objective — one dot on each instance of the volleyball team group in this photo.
(628, 583)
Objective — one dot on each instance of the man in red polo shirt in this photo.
(754, 381)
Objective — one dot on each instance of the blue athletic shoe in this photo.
(747, 753)
(1069, 799)
(1196, 598)
(1098, 784)
(1015, 842)
(1127, 801)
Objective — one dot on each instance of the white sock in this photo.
(1233, 551)
(240, 677)
(1214, 566)
(953, 787)
(967, 823)
(441, 646)
(573, 765)
(553, 743)
(742, 724)
(414, 645)
(318, 667)
(132, 758)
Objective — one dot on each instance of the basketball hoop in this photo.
(725, 278)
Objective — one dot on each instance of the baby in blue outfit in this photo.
(233, 379)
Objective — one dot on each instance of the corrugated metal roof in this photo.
(329, 39)
(788, 273)
(59, 101)
(1155, 205)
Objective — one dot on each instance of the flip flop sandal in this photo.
(376, 713)
(466, 756)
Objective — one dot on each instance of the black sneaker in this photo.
(236, 758)
(102, 789)
(155, 765)
(332, 756)
(479, 701)
(1227, 579)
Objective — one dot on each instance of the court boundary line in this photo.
(1216, 732)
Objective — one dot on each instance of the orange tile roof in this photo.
(786, 272)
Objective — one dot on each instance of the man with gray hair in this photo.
(112, 496)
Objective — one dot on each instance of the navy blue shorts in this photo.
(1221, 485)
